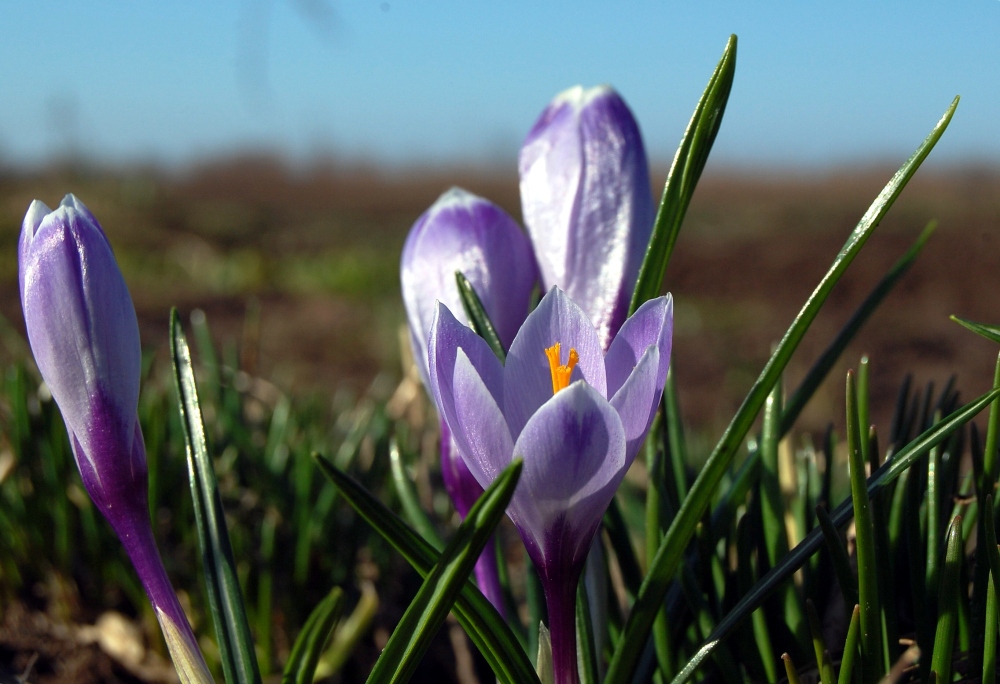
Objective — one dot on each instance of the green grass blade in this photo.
(811, 382)
(239, 661)
(949, 596)
(664, 565)
(992, 552)
(746, 576)
(408, 498)
(683, 177)
(791, 674)
(871, 611)
(886, 474)
(426, 613)
(850, 648)
(990, 332)
(301, 665)
(822, 653)
(621, 544)
(478, 318)
(481, 621)
(676, 449)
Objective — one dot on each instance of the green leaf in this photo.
(850, 648)
(426, 613)
(301, 665)
(990, 332)
(820, 650)
(990, 638)
(225, 600)
(790, 672)
(871, 610)
(949, 596)
(664, 565)
(481, 621)
(841, 562)
(683, 177)
(587, 655)
(797, 557)
(408, 498)
(478, 318)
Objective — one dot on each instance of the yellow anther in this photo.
(560, 373)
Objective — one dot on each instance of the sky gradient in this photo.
(404, 82)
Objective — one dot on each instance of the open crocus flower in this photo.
(576, 415)
(463, 232)
(84, 335)
(587, 203)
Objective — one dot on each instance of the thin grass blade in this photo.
(309, 645)
(683, 177)
(478, 318)
(664, 565)
(481, 621)
(990, 332)
(408, 498)
(232, 630)
(949, 596)
(426, 613)
(850, 648)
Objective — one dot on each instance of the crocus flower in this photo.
(586, 200)
(576, 415)
(83, 332)
(463, 232)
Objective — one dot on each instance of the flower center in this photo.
(560, 373)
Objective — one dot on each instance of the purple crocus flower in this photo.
(576, 415)
(83, 332)
(587, 203)
(463, 232)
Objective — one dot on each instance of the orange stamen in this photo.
(560, 374)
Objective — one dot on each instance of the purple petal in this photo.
(447, 336)
(461, 485)
(463, 232)
(586, 201)
(652, 324)
(637, 400)
(527, 377)
(574, 459)
(80, 319)
(478, 424)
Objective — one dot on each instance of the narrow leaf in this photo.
(481, 621)
(301, 665)
(426, 613)
(990, 332)
(683, 177)
(225, 600)
(664, 565)
(850, 648)
(949, 597)
(478, 318)
(408, 498)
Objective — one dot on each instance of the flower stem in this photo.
(560, 597)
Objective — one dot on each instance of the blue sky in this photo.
(400, 81)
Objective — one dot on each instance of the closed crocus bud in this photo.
(587, 203)
(84, 335)
(466, 233)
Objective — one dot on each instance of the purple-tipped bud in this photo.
(587, 204)
(463, 232)
(83, 332)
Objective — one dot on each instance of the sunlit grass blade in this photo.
(481, 621)
(659, 508)
(888, 472)
(349, 632)
(990, 540)
(850, 648)
(239, 661)
(408, 498)
(664, 565)
(990, 332)
(821, 367)
(746, 576)
(838, 554)
(428, 609)
(791, 674)
(308, 646)
(675, 447)
(949, 593)
(820, 650)
(871, 610)
(478, 318)
(689, 161)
